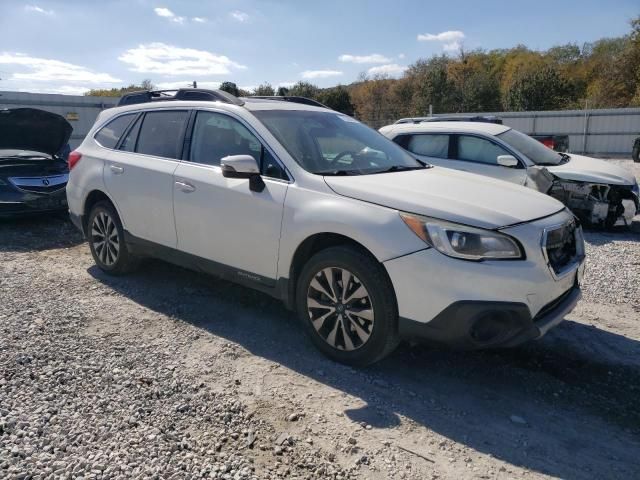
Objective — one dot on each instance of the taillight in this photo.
(74, 158)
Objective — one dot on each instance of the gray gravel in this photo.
(170, 374)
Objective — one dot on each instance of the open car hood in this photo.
(34, 130)
(450, 195)
(592, 170)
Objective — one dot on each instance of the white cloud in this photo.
(163, 59)
(166, 13)
(239, 16)
(186, 84)
(401, 56)
(373, 58)
(285, 84)
(199, 19)
(450, 40)
(37, 9)
(390, 69)
(448, 36)
(48, 70)
(313, 74)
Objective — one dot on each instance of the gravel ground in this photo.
(170, 374)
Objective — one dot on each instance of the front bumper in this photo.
(484, 304)
(14, 202)
(471, 324)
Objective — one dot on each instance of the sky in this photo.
(71, 46)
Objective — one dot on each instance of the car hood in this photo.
(449, 195)
(593, 170)
(34, 130)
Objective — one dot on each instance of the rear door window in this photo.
(109, 135)
(436, 146)
(161, 133)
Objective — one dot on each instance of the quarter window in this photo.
(475, 149)
(161, 133)
(430, 145)
(109, 135)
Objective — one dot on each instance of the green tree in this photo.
(337, 98)
(542, 89)
(304, 89)
(230, 87)
(282, 91)
(264, 90)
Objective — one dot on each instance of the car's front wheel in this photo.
(347, 304)
(106, 240)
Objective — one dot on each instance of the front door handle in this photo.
(185, 187)
(116, 169)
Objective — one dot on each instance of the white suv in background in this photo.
(599, 193)
(368, 244)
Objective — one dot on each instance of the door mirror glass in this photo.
(239, 166)
(507, 161)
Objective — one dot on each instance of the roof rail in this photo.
(453, 118)
(193, 94)
(292, 99)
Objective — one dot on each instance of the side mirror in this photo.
(507, 161)
(243, 166)
(239, 166)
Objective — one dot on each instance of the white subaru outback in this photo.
(366, 243)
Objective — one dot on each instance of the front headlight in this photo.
(464, 242)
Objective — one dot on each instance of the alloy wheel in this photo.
(340, 308)
(104, 237)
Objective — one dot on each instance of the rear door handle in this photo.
(185, 187)
(116, 169)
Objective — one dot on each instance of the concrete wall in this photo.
(80, 111)
(604, 132)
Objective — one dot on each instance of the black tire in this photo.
(111, 257)
(635, 154)
(348, 327)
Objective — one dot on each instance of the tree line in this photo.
(601, 74)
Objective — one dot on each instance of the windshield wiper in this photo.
(401, 168)
(339, 173)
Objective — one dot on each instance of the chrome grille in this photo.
(47, 184)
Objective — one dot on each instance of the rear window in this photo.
(109, 135)
(161, 133)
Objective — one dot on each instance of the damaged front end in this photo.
(597, 205)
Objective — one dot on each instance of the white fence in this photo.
(605, 132)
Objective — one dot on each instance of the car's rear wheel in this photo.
(635, 154)
(347, 304)
(106, 240)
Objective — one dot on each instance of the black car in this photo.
(33, 174)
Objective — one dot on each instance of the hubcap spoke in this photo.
(340, 308)
(104, 235)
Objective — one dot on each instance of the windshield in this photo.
(329, 143)
(533, 149)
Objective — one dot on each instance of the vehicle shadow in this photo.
(38, 232)
(561, 388)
